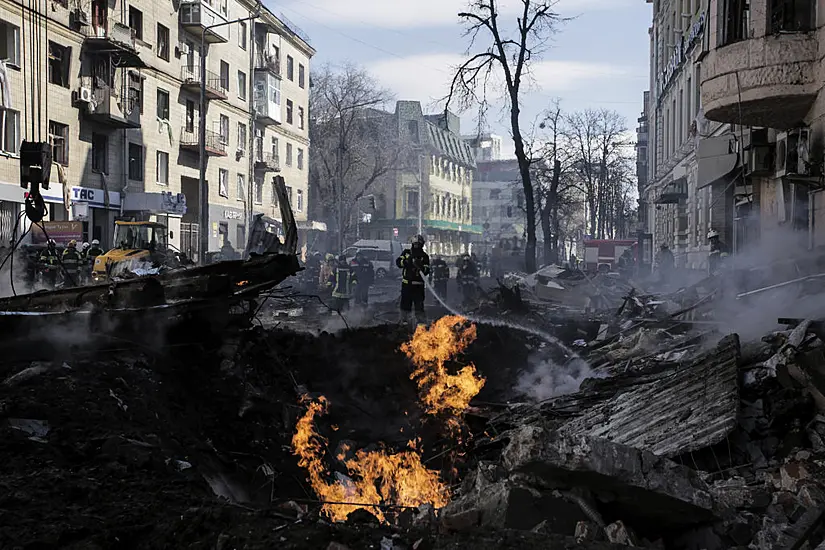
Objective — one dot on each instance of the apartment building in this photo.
(685, 192)
(763, 73)
(498, 205)
(441, 173)
(115, 88)
(486, 147)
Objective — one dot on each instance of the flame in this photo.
(429, 350)
(242, 283)
(375, 477)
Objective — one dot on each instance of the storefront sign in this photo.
(680, 51)
(156, 203)
(96, 198)
(232, 215)
(61, 232)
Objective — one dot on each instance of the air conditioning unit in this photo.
(83, 95)
(792, 153)
(760, 160)
(182, 49)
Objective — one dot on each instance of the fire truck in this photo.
(604, 254)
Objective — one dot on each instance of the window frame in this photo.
(242, 86)
(299, 200)
(223, 130)
(242, 32)
(158, 155)
(301, 76)
(299, 161)
(223, 182)
(137, 31)
(300, 118)
(290, 108)
(160, 30)
(16, 138)
(138, 174)
(60, 131)
(259, 191)
(13, 43)
(159, 94)
(290, 68)
(288, 159)
(240, 187)
(59, 67)
(242, 136)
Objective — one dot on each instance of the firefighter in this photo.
(414, 264)
(313, 271)
(344, 280)
(365, 276)
(468, 280)
(48, 264)
(718, 251)
(71, 264)
(665, 262)
(325, 275)
(439, 275)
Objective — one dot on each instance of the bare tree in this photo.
(354, 144)
(497, 51)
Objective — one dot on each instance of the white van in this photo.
(382, 254)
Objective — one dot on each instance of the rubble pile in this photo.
(681, 441)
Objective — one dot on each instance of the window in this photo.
(736, 21)
(135, 162)
(241, 192)
(163, 42)
(136, 91)
(289, 194)
(136, 22)
(242, 85)
(290, 68)
(59, 59)
(11, 131)
(59, 136)
(300, 159)
(792, 16)
(242, 35)
(289, 106)
(289, 154)
(223, 183)
(301, 76)
(240, 235)
(225, 75)
(301, 118)
(163, 104)
(274, 198)
(190, 115)
(259, 191)
(224, 129)
(275, 148)
(411, 197)
(299, 205)
(495, 194)
(10, 43)
(241, 136)
(162, 171)
(100, 153)
(223, 233)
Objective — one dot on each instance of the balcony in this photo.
(267, 98)
(215, 87)
(112, 37)
(774, 74)
(268, 63)
(267, 162)
(190, 141)
(674, 192)
(103, 105)
(198, 15)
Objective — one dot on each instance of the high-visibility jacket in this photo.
(345, 280)
(414, 265)
(71, 260)
(48, 257)
(440, 271)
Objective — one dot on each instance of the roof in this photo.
(450, 145)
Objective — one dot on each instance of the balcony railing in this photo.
(214, 144)
(268, 162)
(199, 15)
(264, 62)
(107, 105)
(113, 37)
(216, 88)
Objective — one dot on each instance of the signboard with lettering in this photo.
(680, 51)
(232, 215)
(61, 232)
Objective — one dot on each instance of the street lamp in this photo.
(204, 191)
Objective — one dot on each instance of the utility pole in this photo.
(203, 221)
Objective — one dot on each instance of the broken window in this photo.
(136, 22)
(163, 42)
(59, 59)
(100, 153)
(163, 104)
(792, 15)
(59, 137)
(10, 43)
(135, 162)
(736, 21)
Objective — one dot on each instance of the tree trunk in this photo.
(527, 185)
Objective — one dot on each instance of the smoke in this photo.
(545, 378)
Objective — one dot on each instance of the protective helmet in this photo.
(52, 242)
(418, 239)
(72, 243)
(329, 257)
(86, 245)
(465, 258)
(712, 233)
(95, 242)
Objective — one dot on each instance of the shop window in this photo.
(240, 235)
(223, 233)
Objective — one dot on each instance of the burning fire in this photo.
(375, 477)
(429, 350)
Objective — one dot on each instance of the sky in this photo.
(599, 59)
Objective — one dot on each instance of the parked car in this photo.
(382, 254)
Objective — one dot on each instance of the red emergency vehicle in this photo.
(605, 253)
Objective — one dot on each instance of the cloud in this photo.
(399, 14)
(427, 77)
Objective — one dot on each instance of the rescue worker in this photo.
(718, 251)
(344, 280)
(468, 280)
(326, 273)
(84, 271)
(365, 276)
(665, 262)
(48, 264)
(93, 252)
(414, 264)
(71, 261)
(439, 276)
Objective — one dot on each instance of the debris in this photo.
(36, 429)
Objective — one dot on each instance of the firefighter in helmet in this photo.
(414, 264)
(71, 261)
(718, 251)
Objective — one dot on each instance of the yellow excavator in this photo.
(138, 245)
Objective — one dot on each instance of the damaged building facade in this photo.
(684, 193)
(763, 72)
(117, 92)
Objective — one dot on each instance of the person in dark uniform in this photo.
(344, 280)
(718, 251)
(414, 264)
(468, 280)
(439, 276)
(365, 275)
(48, 265)
(71, 261)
